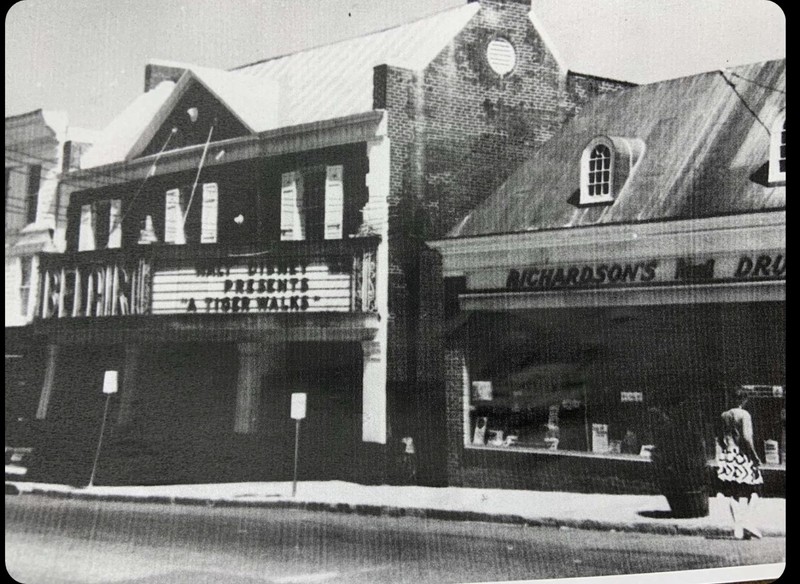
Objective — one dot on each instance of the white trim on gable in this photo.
(541, 29)
(163, 113)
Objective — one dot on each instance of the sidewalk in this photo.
(633, 513)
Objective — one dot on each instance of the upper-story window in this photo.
(100, 225)
(777, 150)
(599, 177)
(308, 196)
(32, 197)
(312, 203)
(606, 166)
(597, 172)
(190, 214)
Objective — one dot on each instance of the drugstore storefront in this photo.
(566, 343)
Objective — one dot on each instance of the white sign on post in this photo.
(298, 406)
(110, 382)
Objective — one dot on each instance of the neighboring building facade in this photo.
(39, 146)
(259, 232)
(635, 264)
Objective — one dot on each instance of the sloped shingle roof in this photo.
(706, 151)
(316, 84)
(335, 80)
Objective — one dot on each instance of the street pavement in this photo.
(60, 540)
(622, 513)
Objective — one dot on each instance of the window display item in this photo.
(482, 390)
(771, 454)
(600, 438)
(496, 437)
(479, 436)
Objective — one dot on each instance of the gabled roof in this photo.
(49, 122)
(320, 83)
(706, 149)
(118, 138)
(336, 80)
(252, 102)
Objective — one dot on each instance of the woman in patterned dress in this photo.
(738, 473)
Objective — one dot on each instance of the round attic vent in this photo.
(501, 56)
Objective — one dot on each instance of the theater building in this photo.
(253, 233)
(636, 261)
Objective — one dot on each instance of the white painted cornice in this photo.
(346, 130)
(668, 238)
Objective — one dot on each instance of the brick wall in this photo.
(457, 131)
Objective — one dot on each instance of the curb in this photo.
(391, 511)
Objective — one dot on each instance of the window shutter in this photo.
(173, 219)
(293, 221)
(208, 225)
(334, 202)
(32, 200)
(86, 239)
(114, 224)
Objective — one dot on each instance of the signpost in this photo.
(298, 412)
(110, 382)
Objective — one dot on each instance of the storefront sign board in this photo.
(731, 267)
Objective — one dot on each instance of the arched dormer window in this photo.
(606, 164)
(777, 150)
(598, 180)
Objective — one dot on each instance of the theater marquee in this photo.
(251, 288)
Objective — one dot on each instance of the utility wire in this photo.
(150, 173)
(754, 82)
(28, 157)
(197, 176)
(739, 95)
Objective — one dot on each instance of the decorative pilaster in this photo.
(248, 388)
(130, 384)
(374, 421)
(255, 359)
(48, 383)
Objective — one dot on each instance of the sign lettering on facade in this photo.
(631, 396)
(250, 288)
(770, 265)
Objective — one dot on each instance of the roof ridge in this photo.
(331, 43)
